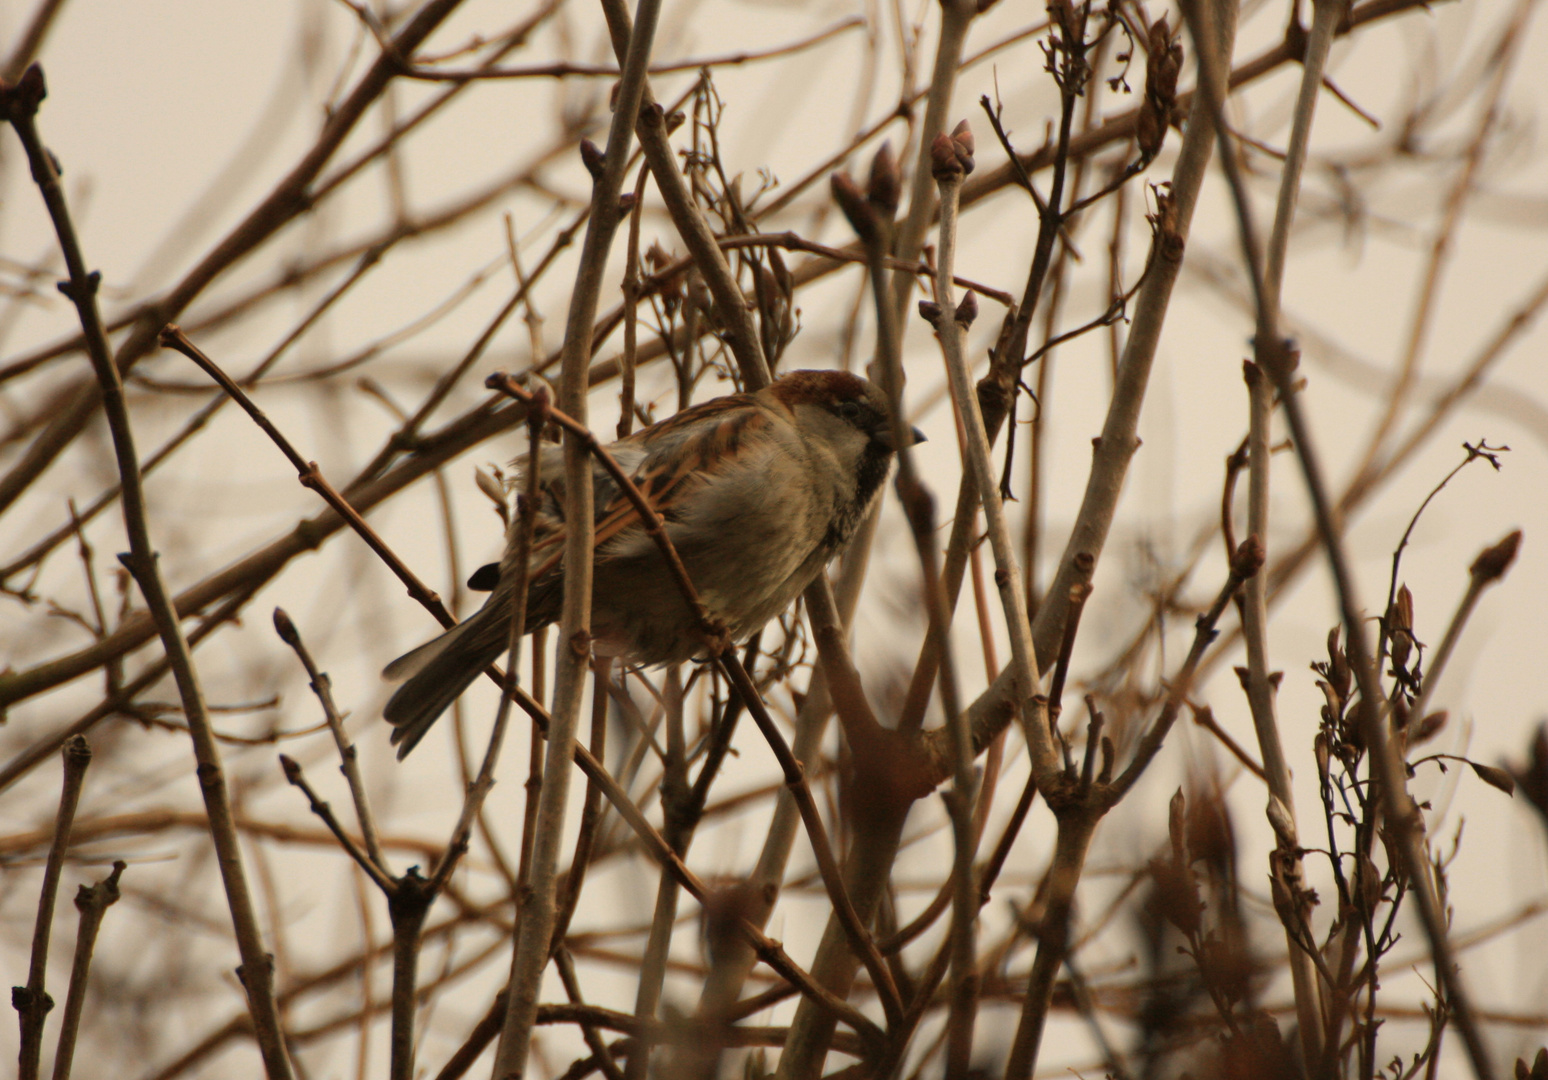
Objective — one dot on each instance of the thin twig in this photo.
(32, 1001)
(517, 569)
(1258, 683)
(631, 300)
(377, 483)
(92, 901)
(950, 155)
(290, 198)
(1405, 822)
(589, 1031)
(653, 962)
(730, 306)
(172, 337)
(533, 937)
(1118, 442)
(1442, 244)
(1483, 451)
(563, 70)
(31, 39)
(1245, 565)
(383, 878)
(113, 704)
(20, 105)
(349, 765)
(1024, 660)
(956, 17)
(792, 241)
(732, 964)
(1490, 567)
(198, 422)
(860, 939)
(408, 904)
(717, 643)
(768, 950)
(591, 808)
(1080, 804)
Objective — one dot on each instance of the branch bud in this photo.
(1492, 562)
(593, 158)
(1248, 559)
(285, 628)
(24, 96)
(858, 211)
(944, 165)
(951, 156)
(962, 136)
(884, 189)
(1282, 822)
(967, 310)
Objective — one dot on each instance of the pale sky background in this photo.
(172, 118)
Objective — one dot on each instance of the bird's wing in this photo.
(679, 455)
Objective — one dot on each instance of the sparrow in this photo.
(758, 491)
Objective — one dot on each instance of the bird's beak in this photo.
(885, 438)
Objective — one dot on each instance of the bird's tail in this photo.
(437, 672)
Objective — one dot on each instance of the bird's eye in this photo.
(849, 410)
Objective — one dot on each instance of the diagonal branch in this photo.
(19, 105)
(1405, 820)
(32, 1002)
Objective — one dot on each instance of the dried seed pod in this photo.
(1495, 777)
(1400, 627)
(671, 289)
(1175, 812)
(1429, 727)
(1160, 89)
(1339, 673)
(1532, 775)
(1334, 705)
(1211, 836)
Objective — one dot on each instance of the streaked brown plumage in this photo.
(759, 492)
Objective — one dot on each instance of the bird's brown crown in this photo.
(819, 388)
